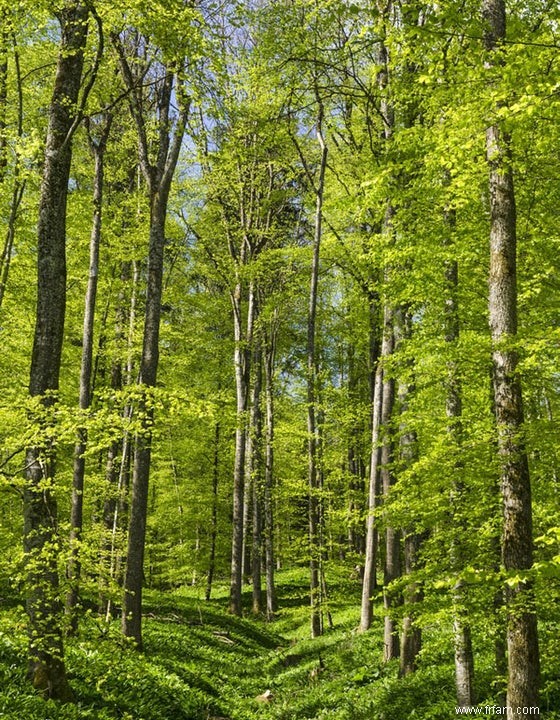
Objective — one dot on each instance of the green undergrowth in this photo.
(199, 663)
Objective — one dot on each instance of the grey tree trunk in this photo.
(256, 431)
(313, 477)
(517, 537)
(392, 566)
(158, 176)
(46, 655)
(243, 334)
(76, 510)
(19, 183)
(370, 564)
(411, 636)
(117, 468)
(464, 658)
(269, 357)
(214, 517)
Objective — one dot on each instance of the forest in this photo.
(280, 331)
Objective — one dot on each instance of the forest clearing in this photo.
(280, 330)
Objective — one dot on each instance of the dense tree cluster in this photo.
(317, 246)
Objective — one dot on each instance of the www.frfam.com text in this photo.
(504, 710)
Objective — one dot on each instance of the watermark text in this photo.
(500, 710)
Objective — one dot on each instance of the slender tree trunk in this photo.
(464, 658)
(19, 183)
(47, 669)
(312, 426)
(242, 362)
(257, 481)
(392, 568)
(355, 468)
(370, 565)
(117, 468)
(411, 637)
(270, 350)
(214, 517)
(4, 41)
(76, 511)
(158, 178)
(517, 537)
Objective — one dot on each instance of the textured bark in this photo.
(117, 468)
(76, 510)
(47, 668)
(411, 637)
(4, 42)
(214, 517)
(256, 431)
(158, 176)
(18, 183)
(243, 334)
(381, 381)
(313, 478)
(392, 565)
(464, 658)
(517, 537)
(269, 357)
(370, 564)
(355, 468)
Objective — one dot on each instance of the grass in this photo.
(200, 662)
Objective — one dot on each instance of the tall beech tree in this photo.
(97, 147)
(517, 537)
(158, 163)
(47, 668)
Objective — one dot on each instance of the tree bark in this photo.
(19, 183)
(242, 361)
(76, 510)
(257, 481)
(214, 517)
(312, 372)
(517, 537)
(392, 566)
(464, 658)
(46, 655)
(370, 564)
(158, 176)
(269, 357)
(411, 637)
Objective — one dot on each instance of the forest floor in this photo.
(200, 663)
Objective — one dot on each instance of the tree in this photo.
(47, 667)
(517, 537)
(97, 147)
(158, 166)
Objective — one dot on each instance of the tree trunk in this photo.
(117, 468)
(312, 425)
(257, 481)
(214, 517)
(464, 658)
(411, 637)
(517, 537)
(47, 669)
(76, 511)
(158, 178)
(392, 568)
(19, 183)
(242, 362)
(270, 349)
(370, 564)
